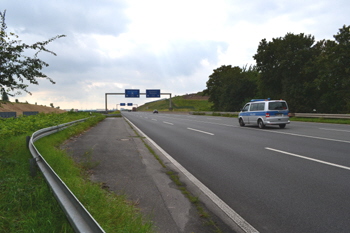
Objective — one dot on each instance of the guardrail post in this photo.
(32, 162)
(33, 167)
(27, 141)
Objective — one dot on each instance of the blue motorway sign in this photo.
(153, 93)
(132, 93)
(129, 104)
(122, 104)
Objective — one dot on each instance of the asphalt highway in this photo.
(278, 180)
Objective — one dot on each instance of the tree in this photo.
(333, 78)
(15, 67)
(4, 96)
(284, 65)
(230, 87)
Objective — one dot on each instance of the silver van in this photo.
(264, 112)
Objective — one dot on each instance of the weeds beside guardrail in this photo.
(78, 216)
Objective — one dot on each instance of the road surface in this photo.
(279, 180)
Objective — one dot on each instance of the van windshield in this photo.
(277, 106)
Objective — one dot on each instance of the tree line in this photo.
(311, 76)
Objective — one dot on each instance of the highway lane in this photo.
(280, 180)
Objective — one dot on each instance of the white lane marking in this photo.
(200, 131)
(168, 123)
(233, 215)
(307, 136)
(307, 158)
(213, 123)
(216, 119)
(154, 119)
(348, 131)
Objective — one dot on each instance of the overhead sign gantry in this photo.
(135, 93)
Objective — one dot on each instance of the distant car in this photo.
(155, 111)
(263, 112)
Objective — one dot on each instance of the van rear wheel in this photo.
(261, 124)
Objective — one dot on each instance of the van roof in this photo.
(268, 99)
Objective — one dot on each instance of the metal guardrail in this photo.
(311, 115)
(321, 115)
(79, 218)
(212, 112)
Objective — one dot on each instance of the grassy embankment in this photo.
(28, 205)
(179, 104)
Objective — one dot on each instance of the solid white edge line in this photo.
(200, 131)
(235, 217)
(307, 158)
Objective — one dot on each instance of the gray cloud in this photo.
(66, 17)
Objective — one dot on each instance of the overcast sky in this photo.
(113, 45)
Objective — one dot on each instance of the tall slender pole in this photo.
(106, 102)
(170, 107)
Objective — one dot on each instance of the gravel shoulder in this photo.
(125, 166)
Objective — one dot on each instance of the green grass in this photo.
(28, 205)
(179, 103)
(115, 112)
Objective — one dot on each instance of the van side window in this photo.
(246, 107)
(261, 106)
(277, 106)
(254, 107)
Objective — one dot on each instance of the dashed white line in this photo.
(168, 123)
(216, 119)
(307, 158)
(200, 131)
(207, 122)
(307, 136)
(348, 131)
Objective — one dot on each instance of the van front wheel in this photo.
(261, 124)
(241, 122)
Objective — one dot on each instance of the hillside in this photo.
(19, 108)
(188, 102)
